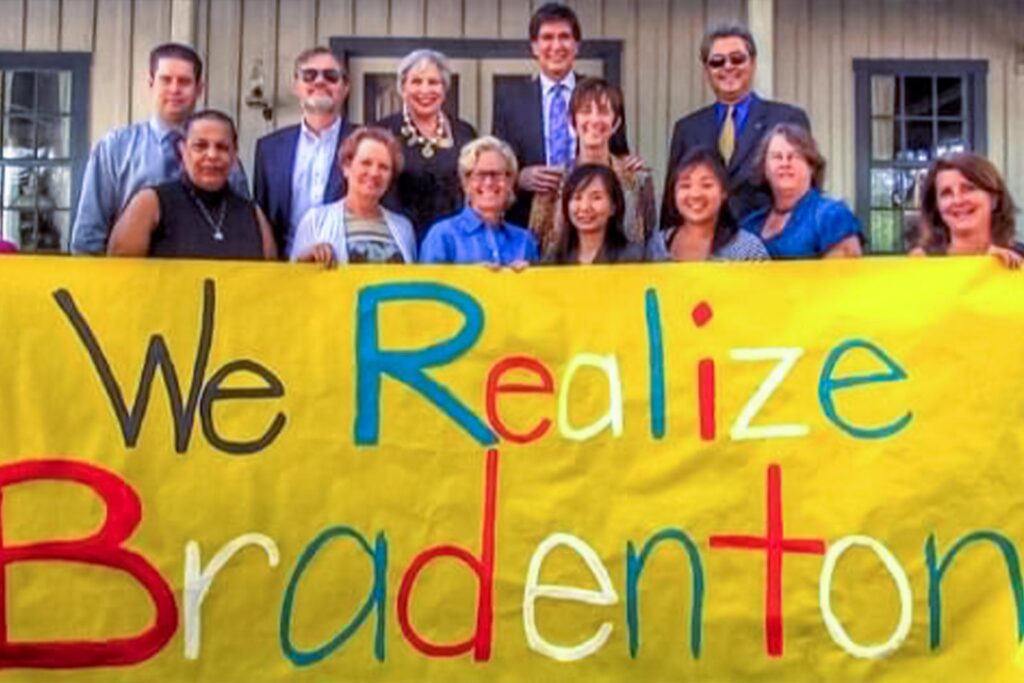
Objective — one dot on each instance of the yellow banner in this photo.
(227, 472)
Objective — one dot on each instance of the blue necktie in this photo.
(559, 140)
(172, 156)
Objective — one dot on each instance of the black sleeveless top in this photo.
(185, 232)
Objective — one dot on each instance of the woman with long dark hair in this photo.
(702, 226)
(592, 207)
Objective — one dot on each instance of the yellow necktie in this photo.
(727, 138)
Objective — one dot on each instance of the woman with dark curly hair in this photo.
(968, 210)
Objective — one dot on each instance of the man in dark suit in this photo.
(297, 166)
(735, 124)
(532, 116)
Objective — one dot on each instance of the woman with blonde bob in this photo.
(479, 233)
(968, 210)
(357, 229)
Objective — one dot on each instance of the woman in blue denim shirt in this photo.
(801, 222)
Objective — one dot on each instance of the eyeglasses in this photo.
(718, 60)
(496, 177)
(329, 75)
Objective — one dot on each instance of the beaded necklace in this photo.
(441, 139)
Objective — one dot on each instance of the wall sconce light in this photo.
(255, 97)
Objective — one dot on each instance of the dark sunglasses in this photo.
(717, 61)
(310, 75)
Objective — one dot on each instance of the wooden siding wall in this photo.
(815, 43)
(660, 42)
(817, 40)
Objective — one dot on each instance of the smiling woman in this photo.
(969, 210)
(596, 113)
(428, 187)
(197, 215)
(801, 222)
(357, 229)
(480, 233)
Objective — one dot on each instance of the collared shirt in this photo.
(466, 238)
(547, 89)
(125, 161)
(740, 112)
(314, 156)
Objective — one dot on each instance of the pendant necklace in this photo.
(222, 211)
(440, 140)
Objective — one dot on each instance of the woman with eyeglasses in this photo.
(593, 208)
(801, 222)
(357, 229)
(428, 186)
(479, 233)
(198, 215)
(703, 228)
(968, 210)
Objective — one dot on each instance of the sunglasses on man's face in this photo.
(717, 61)
(329, 75)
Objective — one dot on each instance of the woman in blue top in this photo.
(479, 233)
(801, 222)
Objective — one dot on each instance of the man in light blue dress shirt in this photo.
(296, 168)
(143, 154)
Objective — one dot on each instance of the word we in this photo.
(203, 393)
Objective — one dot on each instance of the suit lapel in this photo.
(535, 122)
(284, 172)
(335, 189)
(751, 134)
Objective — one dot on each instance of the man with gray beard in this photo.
(296, 168)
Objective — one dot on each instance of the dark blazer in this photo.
(272, 179)
(519, 121)
(700, 129)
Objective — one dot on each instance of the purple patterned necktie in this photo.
(559, 140)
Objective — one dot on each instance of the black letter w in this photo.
(157, 355)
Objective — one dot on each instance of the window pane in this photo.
(920, 140)
(951, 138)
(19, 92)
(54, 95)
(18, 188)
(919, 96)
(884, 139)
(883, 95)
(20, 227)
(19, 138)
(884, 231)
(53, 137)
(883, 186)
(54, 187)
(914, 187)
(51, 231)
(951, 97)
